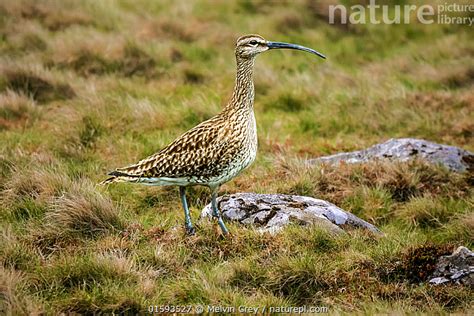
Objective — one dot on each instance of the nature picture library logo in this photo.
(373, 13)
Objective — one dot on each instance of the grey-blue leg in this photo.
(216, 214)
(187, 217)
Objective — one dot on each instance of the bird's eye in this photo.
(254, 42)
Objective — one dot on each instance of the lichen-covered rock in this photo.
(457, 268)
(271, 212)
(402, 149)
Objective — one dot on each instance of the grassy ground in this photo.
(87, 86)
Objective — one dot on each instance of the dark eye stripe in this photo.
(254, 42)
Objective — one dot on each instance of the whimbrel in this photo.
(216, 150)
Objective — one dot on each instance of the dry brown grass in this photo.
(16, 254)
(456, 108)
(39, 184)
(79, 213)
(26, 36)
(35, 83)
(172, 28)
(418, 263)
(52, 16)
(127, 60)
(67, 209)
(13, 300)
(460, 78)
(16, 110)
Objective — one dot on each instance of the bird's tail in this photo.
(118, 176)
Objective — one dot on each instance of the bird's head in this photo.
(249, 46)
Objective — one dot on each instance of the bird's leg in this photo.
(216, 213)
(187, 217)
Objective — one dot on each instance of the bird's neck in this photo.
(242, 98)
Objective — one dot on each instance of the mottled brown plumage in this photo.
(216, 150)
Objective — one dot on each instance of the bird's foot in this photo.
(224, 229)
(190, 231)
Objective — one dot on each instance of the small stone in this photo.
(403, 149)
(456, 268)
(439, 280)
(271, 212)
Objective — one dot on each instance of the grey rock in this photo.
(456, 268)
(439, 280)
(271, 212)
(403, 149)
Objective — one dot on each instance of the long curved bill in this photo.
(273, 45)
